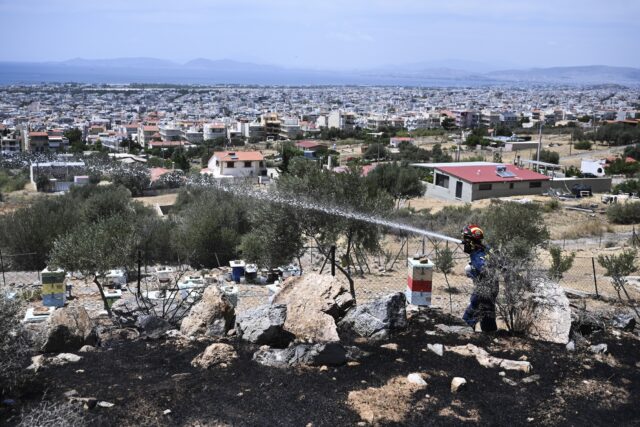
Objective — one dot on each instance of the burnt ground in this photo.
(574, 388)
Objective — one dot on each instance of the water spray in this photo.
(302, 203)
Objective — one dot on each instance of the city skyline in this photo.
(328, 35)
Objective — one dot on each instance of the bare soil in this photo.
(144, 378)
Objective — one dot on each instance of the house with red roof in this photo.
(469, 181)
(236, 164)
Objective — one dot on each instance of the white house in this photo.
(236, 164)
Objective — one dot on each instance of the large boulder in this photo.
(313, 303)
(213, 315)
(550, 313)
(216, 354)
(332, 354)
(375, 319)
(68, 329)
(264, 325)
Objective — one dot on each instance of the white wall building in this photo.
(236, 164)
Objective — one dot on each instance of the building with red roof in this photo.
(469, 181)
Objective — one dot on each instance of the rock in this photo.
(436, 348)
(416, 378)
(530, 379)
(152, 326)
(375, 319)
(624, 321)
(166, 412)
(126, 310)
(457, 384)
(88, 402)
(313, 303)
(598, 349)
(111, 337)
(87, 349)
(37, 362)
(571, 346)
(550, 313)
(264, 325)
(213, 315)
(104, 404)
(330, 354)
(456, 329)
(180, 377)
(391, 346)
(215, 354)
(68, 329)
(356, 353)
(67, 357)
(509, 381)
(70, 393)
(488, 361)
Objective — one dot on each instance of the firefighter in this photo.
(482, 307)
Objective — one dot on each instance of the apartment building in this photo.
(343, 120)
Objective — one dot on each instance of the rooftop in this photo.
(479, 174)
(242, 156)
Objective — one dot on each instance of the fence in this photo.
(585, 275)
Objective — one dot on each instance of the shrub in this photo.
(551, 205)
(515, 228)
(582, 145)
(624, 213)
(559, 263)
(517, 278)
(48, 413)
(14, 350)
(618, 267)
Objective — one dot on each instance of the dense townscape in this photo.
(34, 118)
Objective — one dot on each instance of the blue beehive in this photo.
(237, 270)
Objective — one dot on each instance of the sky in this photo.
(327, 34)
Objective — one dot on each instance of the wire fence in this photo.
(585, 275)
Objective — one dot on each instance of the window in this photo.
(230, 164)
(511, 186)
(261, 164)
(247, 164)
(484, 187)
(442, 180)
(536, 184)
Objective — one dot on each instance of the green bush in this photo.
(582, 145)
(624, 213)
(12, 182)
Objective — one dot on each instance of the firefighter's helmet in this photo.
(473, 233)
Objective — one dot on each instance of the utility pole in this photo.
(539, 149)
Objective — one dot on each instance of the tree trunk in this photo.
(352, 288)
(104, 297)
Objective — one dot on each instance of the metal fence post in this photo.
(595, 281)
(333, 260)
(4, 282)
(139, 272)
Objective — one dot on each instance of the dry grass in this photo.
(591, 228)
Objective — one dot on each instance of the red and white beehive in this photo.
(419, 281)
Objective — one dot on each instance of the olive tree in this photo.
(95, 248)
(334, 209)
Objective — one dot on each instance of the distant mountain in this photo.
(227, 71)
(227, 64)
(140, 62)
(591, 74)
(474, 67)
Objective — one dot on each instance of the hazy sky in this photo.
(328, 34)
